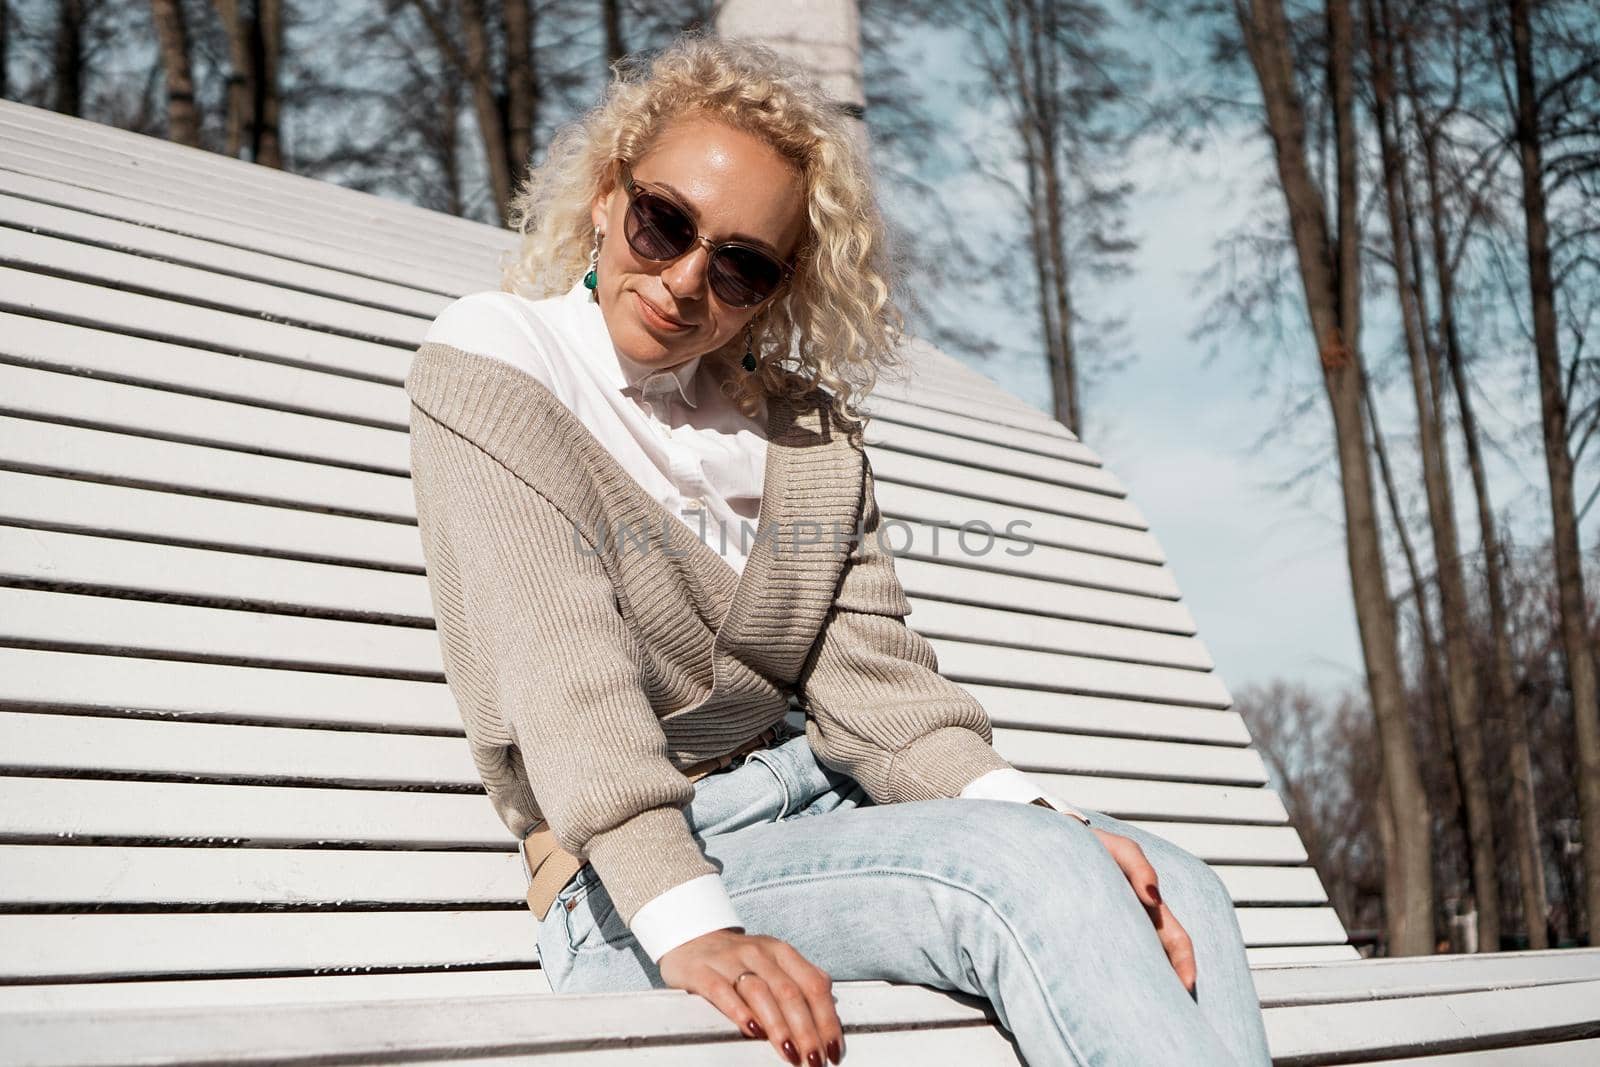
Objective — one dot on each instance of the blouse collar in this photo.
(626, 373)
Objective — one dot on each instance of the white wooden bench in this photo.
(238, 821)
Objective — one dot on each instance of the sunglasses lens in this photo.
(657, 229)
(743, 277)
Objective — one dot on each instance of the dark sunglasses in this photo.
(658, 228)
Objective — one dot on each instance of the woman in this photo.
(700, 298)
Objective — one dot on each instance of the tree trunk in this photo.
(172, 38)
(241, 77)
(1461, 682)
(67, 68)
(1332, 287)
(487, 104)
(1525, 824)
(267, 44)
(522, 87)
(1558, 461)
(611, 23)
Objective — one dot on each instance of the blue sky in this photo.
(1262, 568)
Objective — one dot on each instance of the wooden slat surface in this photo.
(84, 877)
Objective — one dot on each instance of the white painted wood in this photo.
(114, 406)
(1403, 976)
(232, 693)
(1435, 1024)
(989, 485)
(107, 265)
(374, 1030)
(1003, 666)
(119, 746)
(337, 271)
(85, 561)
(129, 459)
(145, 995)
(97, 946)
(41, 809)
(1581, 1053)
(222, 692)
(82, 561)
(991, 552)
(84, 623)
(63, 212)
(929, 442)
(83, 877)
(38, 875)
(97, 508)
(73, 347)
(193, 324)
(1035, 709)
(322, 217)
(942, 505)
(892, 402)
(1302, 955)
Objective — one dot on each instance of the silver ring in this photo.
(743, 975)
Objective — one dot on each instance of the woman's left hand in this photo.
(1142, 876)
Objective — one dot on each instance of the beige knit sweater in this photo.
(588, 667)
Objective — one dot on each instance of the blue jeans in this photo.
(1011, 902)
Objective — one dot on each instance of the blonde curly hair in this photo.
(836, 322)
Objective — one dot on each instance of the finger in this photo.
(1136, 867)
(755, 993)
(722, 995)
(1180, 949)
(818, 988)
(791, 999)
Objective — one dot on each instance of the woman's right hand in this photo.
(788, 1000)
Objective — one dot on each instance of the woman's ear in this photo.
(600, 206)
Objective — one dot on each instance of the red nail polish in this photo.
(790, 1052)
(755, 1029)
(814, 1058)
(1155, 893)
(833, 1052)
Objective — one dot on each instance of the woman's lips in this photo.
(655, 318)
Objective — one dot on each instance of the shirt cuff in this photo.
(683, 913)
(1008, 783)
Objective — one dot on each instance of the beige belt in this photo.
(550, 867)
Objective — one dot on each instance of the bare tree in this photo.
(1553, 401)
(1461, 683)
(1062, 82)
(1329, 263)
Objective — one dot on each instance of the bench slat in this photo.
(41, 809)
(223, 693)
(91, 876)
(103, 945)
(84, 562)
(83, 623)
(114, 745)
(336, 271)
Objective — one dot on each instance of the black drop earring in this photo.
(749, 360)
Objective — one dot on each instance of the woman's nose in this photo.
(686, 276)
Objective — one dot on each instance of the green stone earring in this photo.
(592, 279)
(749, 360)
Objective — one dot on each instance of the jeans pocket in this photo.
(765, 757)
(592, 922)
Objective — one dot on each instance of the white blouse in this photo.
(693, 450)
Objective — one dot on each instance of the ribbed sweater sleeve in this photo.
(877, 706)
(529, 616)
